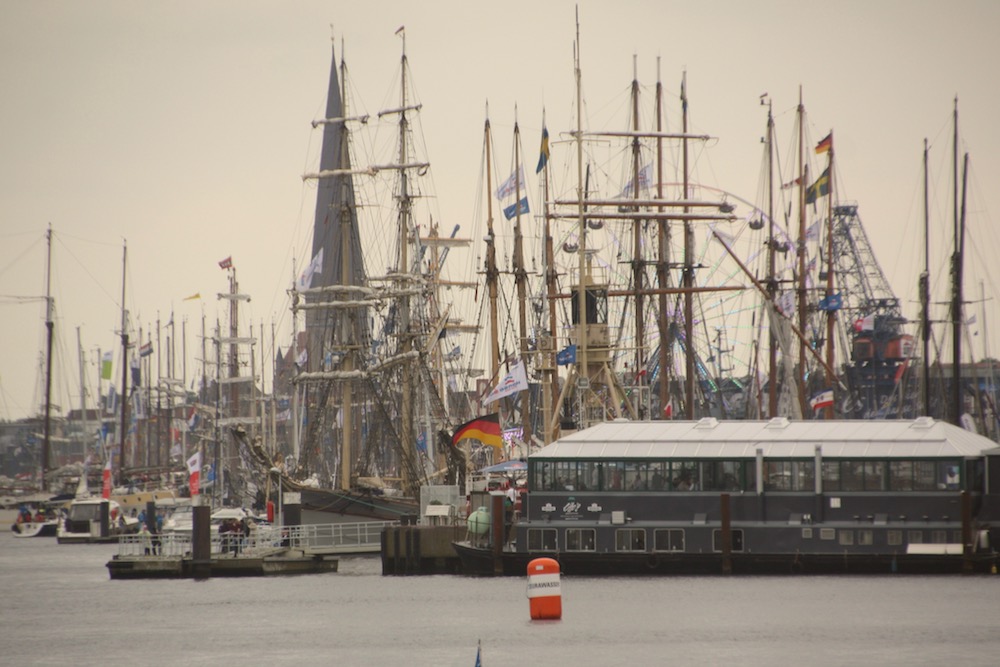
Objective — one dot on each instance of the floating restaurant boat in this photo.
(92, 520)
(752, 497)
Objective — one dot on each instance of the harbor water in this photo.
(60, 607)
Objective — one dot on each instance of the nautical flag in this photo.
(194, 472)
(283, 416)
(644, 177)
(303, 357)
(227, 263)
(193, 419)
(866, 323)
(566, 356)
(668, 411)
(112, 399)
(832, 302)
(455, 353)
(825, 144)
(516, 380)
(106, 360)
(791, 184)
(147, 348)
(479, 656)
(485, 429)
(106, 480)
(824, 399)
(422, 442)
(315, 266)
(513, 183)
(543, 152)
(514, 209)
(820, 188)
(196, 295)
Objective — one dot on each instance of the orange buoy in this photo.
(544, 597)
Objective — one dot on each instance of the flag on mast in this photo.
(106, 360)
(825, 144)
(106, 480)
(543, 151)
(194, 472)
(485, 429)
(226, 263)
(516, 380)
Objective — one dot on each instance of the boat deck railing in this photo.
(329, 538)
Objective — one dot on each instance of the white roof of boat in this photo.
(778, 438)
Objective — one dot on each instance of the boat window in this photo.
(827, 533)
(735, 540)
(894, 538)
(630, 539)
(659, 473)
(777, 475)
(581, 539)
(852, 476)
(542, 476)
(668, 539)
(723, 475)
(685, 476)
(923, 476)
(831, 476)
(542, 539)
(901, 475)
(865, 537)
(845, 537)
(803, 475)
(874, 475)
(614, 472)
(939, 536)
(636, 476)
(948, 475)
(915, 536)
(85, 512)
(589, 476)
(565, 476)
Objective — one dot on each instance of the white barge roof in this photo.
(778, 438)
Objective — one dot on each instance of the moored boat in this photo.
(752, 497)
(91, 520)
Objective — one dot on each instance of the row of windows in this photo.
(741, 475)
(672, 539)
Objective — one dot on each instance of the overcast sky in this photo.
(184, 128)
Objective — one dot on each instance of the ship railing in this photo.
(344, 538)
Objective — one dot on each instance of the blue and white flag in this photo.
(512, 210)
(513, 183)
(566, 356)
(832, 302)
(516, 380)
(644, 177)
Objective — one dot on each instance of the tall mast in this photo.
(520, 281)
(492, 274)
(347, 321)
(925, 300)
(662, 258)
(957, 303)
(638, 269)
(831, 313)
(49, 329)
(801, 256)
(772, 280)
(583, 358)
(551, 396)
(688, 269)
(123, 396)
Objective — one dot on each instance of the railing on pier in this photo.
(330, 538)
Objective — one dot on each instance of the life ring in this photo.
(652, 561)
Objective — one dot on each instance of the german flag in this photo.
(485, 429)
(825, 144)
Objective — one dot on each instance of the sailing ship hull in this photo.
(338, 506)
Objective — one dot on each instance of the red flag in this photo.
(106, 480)
(227, 263)
(825, 144)
(194, 472)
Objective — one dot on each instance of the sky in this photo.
(182, 129)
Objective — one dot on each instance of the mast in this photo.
(346, 322)
(688, 268)
(492, 273)
(638, 269)
(662, 259)
(801, 256)
(550, 397)
(831, 313)
(583, 359)
(49, 329)
(957, 303)
(925, 299)
(772, 279)
(123, 396)
(520, 281)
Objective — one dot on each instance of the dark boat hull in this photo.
(480, 561)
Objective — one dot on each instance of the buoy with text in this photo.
(544, 597)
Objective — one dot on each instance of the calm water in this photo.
(60, 607)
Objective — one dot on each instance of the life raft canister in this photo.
(544, 596)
